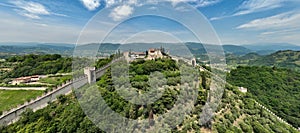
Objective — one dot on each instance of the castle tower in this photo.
(194, 63)
(91, 74)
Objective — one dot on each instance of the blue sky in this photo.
(235, 21)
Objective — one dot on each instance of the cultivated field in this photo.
(12, 98)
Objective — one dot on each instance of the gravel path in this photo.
(23, 88)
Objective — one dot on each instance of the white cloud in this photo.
(280, 32)
(132, 2)
(252, 6)
(41, 24)
(195, 3)
(126, 7)
(29, 15)
(91, 4)
(110, 3)
(205, 3)
(255, 6)
(283, 27)
(31, 10)
(36, 8)
(121, 12)
(218, 18)
(287, 20)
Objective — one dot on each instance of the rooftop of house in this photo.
(152, 50)
(28, 77)
(138, 53)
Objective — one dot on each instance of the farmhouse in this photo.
(27, 79)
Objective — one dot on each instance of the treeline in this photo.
(38, 65)
(278, 89)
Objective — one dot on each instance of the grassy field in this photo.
(56, 80)
(12, 98)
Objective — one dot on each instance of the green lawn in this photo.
(11, 98)
(56, 80)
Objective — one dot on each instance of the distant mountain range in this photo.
(279, 54)
(39, 48)
(195, 48)
(268, 48)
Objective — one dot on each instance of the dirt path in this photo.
(23, 88)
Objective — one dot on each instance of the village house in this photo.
(242, 89)
(27, 79)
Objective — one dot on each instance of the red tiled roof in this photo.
(28, 77)
(152, 50)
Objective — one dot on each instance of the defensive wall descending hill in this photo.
(14, 114)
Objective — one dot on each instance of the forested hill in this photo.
(282, 59)
(237, 112)
(278, 89)
(28, 65)
(287, 59)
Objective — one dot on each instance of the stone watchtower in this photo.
(193, 61)
(90, 72)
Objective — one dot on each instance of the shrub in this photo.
(221, 128)
(246, 128)
(61, 98)
(258, 128)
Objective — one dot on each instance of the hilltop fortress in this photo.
(150, 54)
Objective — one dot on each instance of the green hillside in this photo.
(11, 98)
(286, 59)
(32, 64)
(237, 112)
(277, 89)
(282, 59)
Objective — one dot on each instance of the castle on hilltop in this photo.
(150, 54)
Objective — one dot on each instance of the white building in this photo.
(242, 89)
(27, 79)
